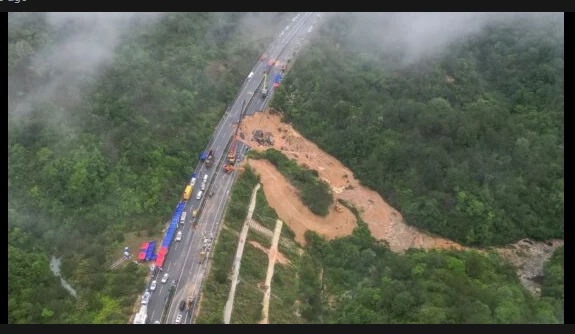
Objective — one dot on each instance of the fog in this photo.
(86, 42)
(80, 45)
(419, 35)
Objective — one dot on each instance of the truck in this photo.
(265, 87)
(188, 192)
(141, 316)
(193, 179)
(204, 156)
(183, 218)
(210, 159)
(202, 256)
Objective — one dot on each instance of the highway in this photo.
(183, 260)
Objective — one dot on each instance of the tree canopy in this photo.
(467, 144)
(95, 154)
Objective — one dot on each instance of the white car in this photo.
(146, 297)
(178, 319)
(153, 285)
(179, 236)
(165, 278)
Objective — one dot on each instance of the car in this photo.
(153, 285)
(157, 322)
(194, 213)
(178, 319)
(146, 297)
(165, 278)
(179, 236)
(205, 177)
(182, 305)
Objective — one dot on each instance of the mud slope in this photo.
(384, 221)
(283, 197)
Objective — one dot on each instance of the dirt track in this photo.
(384, 221)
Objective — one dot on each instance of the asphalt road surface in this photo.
(183, 260)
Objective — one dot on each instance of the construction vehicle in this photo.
(188, 192)
(232, 152)
(230, 168)
(210, 159)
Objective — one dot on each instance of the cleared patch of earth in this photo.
(283, 197)
(383, 221)
(529, 257)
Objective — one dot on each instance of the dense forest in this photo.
(101, 147)
(355, 280)
(467, 143)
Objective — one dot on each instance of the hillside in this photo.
(467, 143)
(106, 114)
(356, 279)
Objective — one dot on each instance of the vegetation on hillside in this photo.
(314, 193)
(93, 155)
(468, 144)
(216, 288)
(355, 280)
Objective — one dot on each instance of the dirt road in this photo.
(238, 259)
(270, 273)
